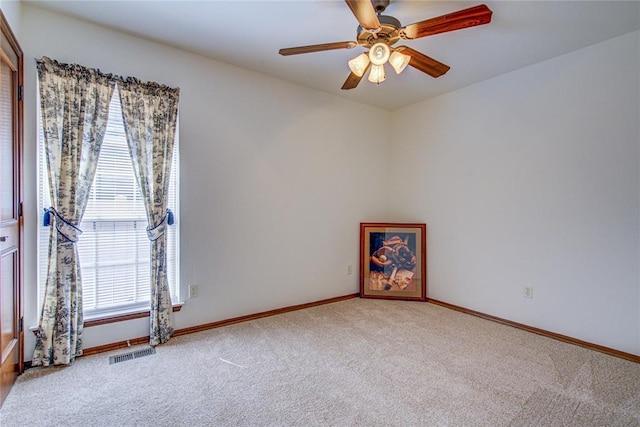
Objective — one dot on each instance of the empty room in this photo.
(320, 213)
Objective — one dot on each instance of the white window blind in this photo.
(114, 249)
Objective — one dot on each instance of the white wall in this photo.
(532, 178)
(12, 10)
(274, 176)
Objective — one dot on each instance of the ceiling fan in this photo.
(379, 33)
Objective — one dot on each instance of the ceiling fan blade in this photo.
(365, 14)
(316, 48)
(353, 80)
(424, 63)
(477, 15)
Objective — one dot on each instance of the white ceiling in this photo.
(249, 33)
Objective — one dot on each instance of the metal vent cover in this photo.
(132, 355)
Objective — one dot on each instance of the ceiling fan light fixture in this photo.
(377, 75)
(359, 64)
(379, 53)
(399, 61)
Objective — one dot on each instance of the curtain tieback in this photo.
(158, 230)
(64, 227)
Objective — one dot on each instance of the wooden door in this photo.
(11, 329)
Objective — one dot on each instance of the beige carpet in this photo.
(356, 362)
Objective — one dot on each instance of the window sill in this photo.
(122, 317)
(116, 318)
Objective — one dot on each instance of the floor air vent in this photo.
(132, 355)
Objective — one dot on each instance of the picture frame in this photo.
(393, 261)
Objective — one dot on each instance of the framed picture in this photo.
(393, 261)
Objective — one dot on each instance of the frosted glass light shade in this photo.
(359, 64)
(399, 61)
(377, 74)
(379, 53)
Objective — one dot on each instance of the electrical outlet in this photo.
(193, 291)
(528, 291)
(349, 269)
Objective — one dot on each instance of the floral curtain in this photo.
(150, 113)
(75, 109)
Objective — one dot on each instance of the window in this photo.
(114, 249)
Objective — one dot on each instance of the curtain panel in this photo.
(150, 113)
(75, 109)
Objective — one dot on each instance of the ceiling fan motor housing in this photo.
(388, 32)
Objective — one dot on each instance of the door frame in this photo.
(9, 41)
